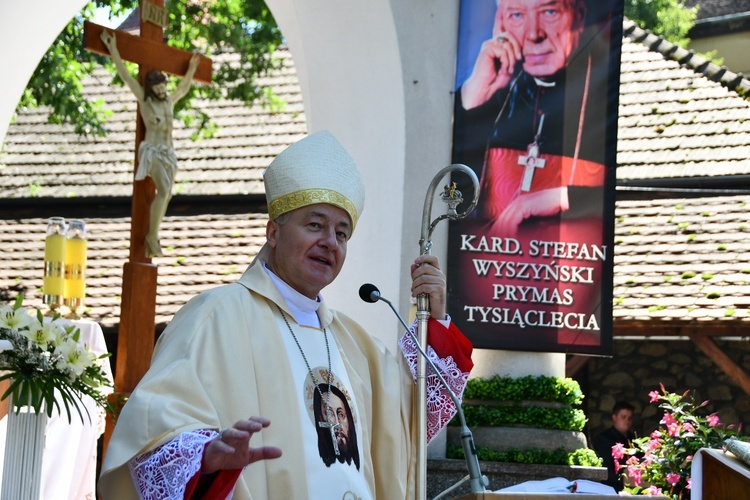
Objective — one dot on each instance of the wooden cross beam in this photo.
(138, 308)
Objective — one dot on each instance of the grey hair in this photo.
(282, 219)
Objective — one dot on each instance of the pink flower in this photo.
(617, 466)
(653, 444)
(654, 395)
(713, 420)
(674, 429)
(688, 427)
(652, 491)
(668, 419)
(690, 483)
(632, 461)
(618, 451)
(635, 474)
(655, 435)
(673, 478)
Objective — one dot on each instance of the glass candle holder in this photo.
(75, 266)
(54, 263)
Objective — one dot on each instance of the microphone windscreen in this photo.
(365, 292)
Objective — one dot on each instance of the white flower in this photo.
(14, 319)
(73, 357)
(44, 334)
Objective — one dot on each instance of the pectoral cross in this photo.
(531, 161)
(332, 427)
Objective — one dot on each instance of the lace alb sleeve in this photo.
(163, 473)
(440, 406)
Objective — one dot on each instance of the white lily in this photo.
(44, 335)
(15, 319)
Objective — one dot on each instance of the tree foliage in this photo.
(668, 18)
(243, 28)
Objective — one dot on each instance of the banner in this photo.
(537, 87)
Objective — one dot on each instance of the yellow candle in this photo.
(75, 268)
(54, 258)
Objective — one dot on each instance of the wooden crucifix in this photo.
(138, 308)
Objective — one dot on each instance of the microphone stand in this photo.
(478, 482)
(453, 198)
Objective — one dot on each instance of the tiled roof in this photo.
(41, 159)
(685, 259)
(202, 251)
(675, 122)
(718, 8)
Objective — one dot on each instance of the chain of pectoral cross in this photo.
(531, 160)
(331, 422)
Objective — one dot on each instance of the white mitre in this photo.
(316, 169)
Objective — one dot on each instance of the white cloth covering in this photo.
(69, 463)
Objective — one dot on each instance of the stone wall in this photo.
(638, 366)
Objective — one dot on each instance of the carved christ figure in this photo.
(156, 154)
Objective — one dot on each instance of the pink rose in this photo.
(673, 478)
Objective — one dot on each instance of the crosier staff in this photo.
(453, 198)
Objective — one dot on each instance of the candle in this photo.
(75, 264)
(54, 262)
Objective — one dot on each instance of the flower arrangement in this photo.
(40, 356)
(659, 464)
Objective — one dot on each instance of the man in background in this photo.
(620, 433)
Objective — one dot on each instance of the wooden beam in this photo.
(145, 52)
(727, 365)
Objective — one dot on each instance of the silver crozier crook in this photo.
(452, 197)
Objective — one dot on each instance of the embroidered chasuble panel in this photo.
(331, 420)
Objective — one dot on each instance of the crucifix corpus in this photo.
(153, 179)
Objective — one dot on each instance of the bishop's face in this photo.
(308, 250)
(547, 30)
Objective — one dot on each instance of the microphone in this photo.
(370, 293)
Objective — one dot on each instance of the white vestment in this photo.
(223, 359)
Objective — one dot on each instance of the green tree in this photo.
(240, 35)
(669, 18)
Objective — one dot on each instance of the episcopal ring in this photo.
(501, 38)
(221, 434)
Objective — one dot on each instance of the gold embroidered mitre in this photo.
(316, 169)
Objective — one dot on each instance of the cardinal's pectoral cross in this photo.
(332, 428)
(531, 160)
(136, 333)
